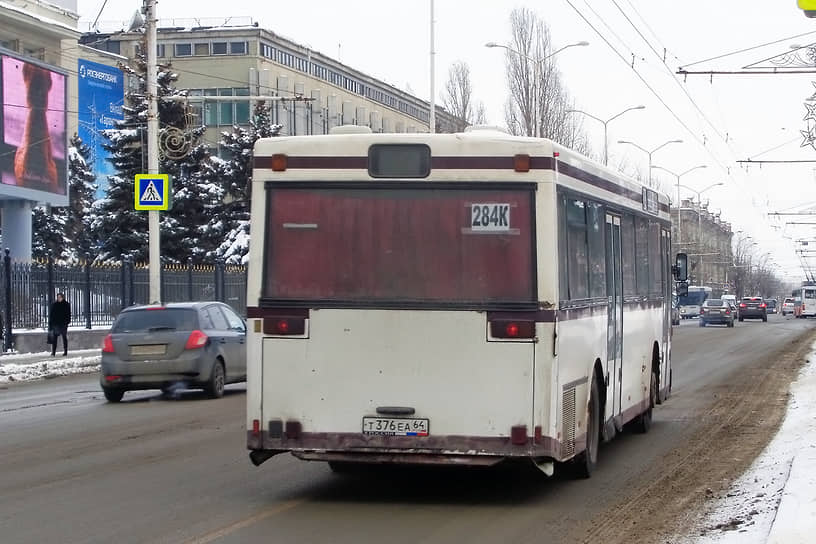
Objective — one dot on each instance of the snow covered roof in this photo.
(40, 18)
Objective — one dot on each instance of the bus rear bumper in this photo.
(431, 450)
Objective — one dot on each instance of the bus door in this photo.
(614, 334)
(665, 252)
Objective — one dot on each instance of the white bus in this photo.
(808, 295)
(451, 299)
(691, 303)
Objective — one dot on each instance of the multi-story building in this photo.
(706, 238)
(246, 60)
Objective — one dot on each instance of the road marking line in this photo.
(238, 525)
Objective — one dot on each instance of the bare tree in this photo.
(458, 98)
(539, 102)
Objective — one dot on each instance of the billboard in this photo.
(101, 91)
(33, 142)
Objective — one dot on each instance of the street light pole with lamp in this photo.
(606, 127)
(538, 62)
(678, 176)
(650, 153)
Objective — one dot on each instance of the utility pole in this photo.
(432, 121)
(153, 149)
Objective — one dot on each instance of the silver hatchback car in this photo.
(178, 345)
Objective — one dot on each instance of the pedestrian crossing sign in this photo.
(152, 192)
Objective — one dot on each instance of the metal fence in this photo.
(98, 292)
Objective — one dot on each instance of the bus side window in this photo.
(577, 249)
(563, 273)
(642, 255)
(597, 251)
(654, 257)
(628, 257)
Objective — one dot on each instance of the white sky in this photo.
(389, 39)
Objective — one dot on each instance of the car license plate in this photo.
(394, 426)
(149, 349)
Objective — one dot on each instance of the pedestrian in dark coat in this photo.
(59, 317)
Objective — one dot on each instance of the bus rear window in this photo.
(370, 246)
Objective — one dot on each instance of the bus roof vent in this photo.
(350, 129)
(485, 128)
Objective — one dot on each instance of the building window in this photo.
(266, 50)
(210, 109)
(226, 115)
(238, 48)
(184, 50)
(242, 108)
(160, 50)
(219, 48)
(202, 50)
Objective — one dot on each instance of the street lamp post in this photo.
(678, 176)
(605, 125)
(538, 62)
(650, 153)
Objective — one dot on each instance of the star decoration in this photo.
(811, 112)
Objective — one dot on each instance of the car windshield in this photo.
(152, 320)
(715, 302)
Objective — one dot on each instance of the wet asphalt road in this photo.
(151, 469)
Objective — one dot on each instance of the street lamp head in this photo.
(492, 44)
(641, 107)
(582, 43)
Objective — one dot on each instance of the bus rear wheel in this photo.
(643, 422)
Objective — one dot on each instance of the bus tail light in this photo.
(521, 163)
(256, 427)
(293, 429)
(518, 435)
(512, 329)
(285, 326)
(279, 162)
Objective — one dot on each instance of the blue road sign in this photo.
(152, 192)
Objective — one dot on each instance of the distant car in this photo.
(771, 305)
(717, 311)
(179, 345)
(753, 308)
(787, 306)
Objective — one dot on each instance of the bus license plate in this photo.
(393, 426)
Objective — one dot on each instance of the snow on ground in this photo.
(84, 362)
(775, 500)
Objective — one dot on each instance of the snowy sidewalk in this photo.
(20, 367)
(774, 502)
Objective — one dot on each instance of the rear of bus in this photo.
(395, 315)
(808, 308)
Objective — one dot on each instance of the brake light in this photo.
(742, 305)
(107, 344)
(196, 340)
(518, 435)
(285, 326)
(512, 329)
(279, 162)
(762, 305)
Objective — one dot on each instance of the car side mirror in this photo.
(680, 268)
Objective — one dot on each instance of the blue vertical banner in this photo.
(101, 96)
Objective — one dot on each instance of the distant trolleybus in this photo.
(451, 299)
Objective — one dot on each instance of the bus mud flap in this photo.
(547, 467)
